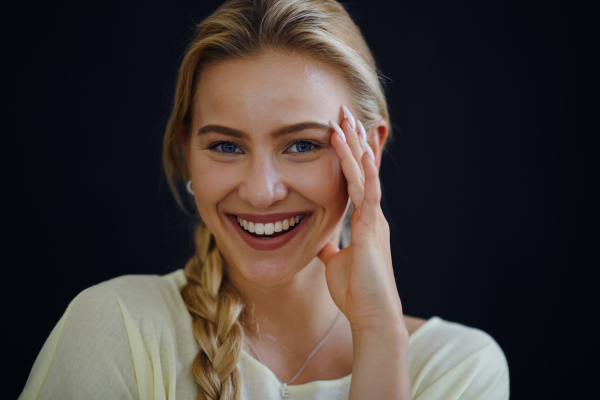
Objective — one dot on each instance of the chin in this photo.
(268, 272)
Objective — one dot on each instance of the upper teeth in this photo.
(269, 228)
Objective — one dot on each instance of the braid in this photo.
(215, 306)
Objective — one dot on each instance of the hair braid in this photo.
(216, 308)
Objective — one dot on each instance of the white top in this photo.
(131, 338)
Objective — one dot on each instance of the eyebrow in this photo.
(278, 133)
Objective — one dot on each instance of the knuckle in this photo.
(375, 195)
(386, 225)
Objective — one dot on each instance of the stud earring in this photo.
(189, 187)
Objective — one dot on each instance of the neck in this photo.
(294, 314)
(286, 321)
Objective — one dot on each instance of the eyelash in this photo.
(217, 144)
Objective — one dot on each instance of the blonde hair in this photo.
(321, 29)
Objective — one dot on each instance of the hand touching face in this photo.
(360, 277)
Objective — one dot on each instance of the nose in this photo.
(262, 184)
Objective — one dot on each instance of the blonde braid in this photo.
(216, 309)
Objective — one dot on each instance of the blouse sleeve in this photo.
(483, 375)
(107, 345)
(451, 361)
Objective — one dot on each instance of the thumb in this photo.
(328, 251)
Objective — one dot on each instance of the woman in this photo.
(278, 127)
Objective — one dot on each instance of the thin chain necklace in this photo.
(284, 388)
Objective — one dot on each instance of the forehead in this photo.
(268, 91)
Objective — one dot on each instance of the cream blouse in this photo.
(131, 338)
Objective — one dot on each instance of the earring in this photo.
(189, 187)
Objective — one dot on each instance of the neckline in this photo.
(331, 382)
(294, 388)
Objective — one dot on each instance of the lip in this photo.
(267, 244)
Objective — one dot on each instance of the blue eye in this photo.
(227, 147)
(302, 147)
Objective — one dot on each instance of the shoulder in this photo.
(413, 323)
(133, 293)
(135, 285)
(111, 339)
(448, 356)
(134, 290)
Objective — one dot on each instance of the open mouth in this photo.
(270, 230)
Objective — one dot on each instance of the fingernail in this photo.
(369, 150)
(348, 115)
(339, 130)
(363, 133)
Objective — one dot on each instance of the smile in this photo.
(271, 231)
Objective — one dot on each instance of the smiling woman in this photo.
(278, 127)
(250, 116)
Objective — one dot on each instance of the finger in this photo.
(363, 140)
(350, 167)
(327, 252)
(349, 125)
(353, 140)
(372, 192)
(363, 132)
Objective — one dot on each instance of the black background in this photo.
(488, 182)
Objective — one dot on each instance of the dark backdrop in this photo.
(487, 183)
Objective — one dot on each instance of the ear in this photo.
(376, 138)
(185, 140)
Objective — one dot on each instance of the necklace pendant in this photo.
(284, 391)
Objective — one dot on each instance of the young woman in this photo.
(277, 128)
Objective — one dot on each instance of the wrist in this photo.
(384, 331)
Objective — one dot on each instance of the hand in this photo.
(360, 277)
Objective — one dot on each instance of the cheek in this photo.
(322, 182)
(212, 183)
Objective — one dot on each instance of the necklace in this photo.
(284, 389)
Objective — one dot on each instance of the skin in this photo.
(296, 291)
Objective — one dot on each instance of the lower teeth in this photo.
(268, 236)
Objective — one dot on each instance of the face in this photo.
(259, 149)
